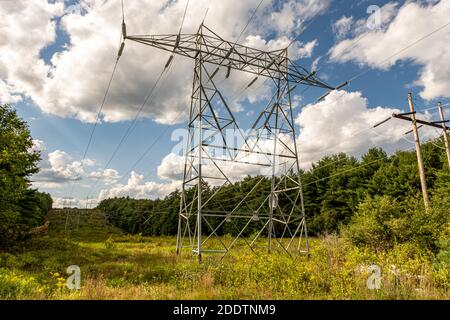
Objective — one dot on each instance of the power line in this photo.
(129, 129)
(352, 135)
(123, 13)
(303, 31)
(370, 128)
(149, 148)
(403, 50)
(388, 137)
(340, 160)
(318, 69)
(237, 39)
(346, 171)
(432, 108)
(149, 95)
(97, 118)
(119, 54)
(100, 111)
(352, 169)
(383, 62)
(248, 23)
(436, 145)
(184, 16)
(335, 174)
(132, 126)
(181, 114)
(295, 39)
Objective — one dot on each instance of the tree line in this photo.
(21, 206)
(335, 189)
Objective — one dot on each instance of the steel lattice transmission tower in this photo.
(270, 145)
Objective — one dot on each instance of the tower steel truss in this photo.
(273, 206)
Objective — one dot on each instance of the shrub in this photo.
(382, 222)
(368, 226)
(110, 244)
(443, 257)
(14, 285)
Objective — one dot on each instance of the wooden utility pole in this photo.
(444, 128)
(411, 116)
(423, 181)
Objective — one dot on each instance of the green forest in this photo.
(375, 200)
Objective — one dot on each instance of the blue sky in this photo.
(386, 88)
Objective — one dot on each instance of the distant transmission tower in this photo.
(72, 216)
(270, 146)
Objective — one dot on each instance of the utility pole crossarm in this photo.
(217, 51)
(427, 123)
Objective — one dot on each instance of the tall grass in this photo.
(149, 269)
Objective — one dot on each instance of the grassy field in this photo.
(118, 266)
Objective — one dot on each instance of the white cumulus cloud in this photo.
(343, 122)
(409, 23)
(107, 175)
(72, 84)
(59, 167)
(138, 188)
(342, 27)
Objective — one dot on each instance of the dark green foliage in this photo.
(381, 222)
(443, 257)
(441, 188)
(20, 207)
(393, 212)
(149, 217)
(332, 191)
